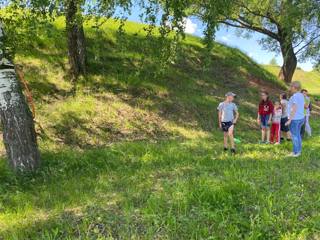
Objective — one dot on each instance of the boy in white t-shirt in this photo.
(228, 116)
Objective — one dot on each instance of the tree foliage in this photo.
(273, 62)
(21, 23)
(298, 19)
(290, 27)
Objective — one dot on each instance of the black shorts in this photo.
(226, 125)
(284, 128)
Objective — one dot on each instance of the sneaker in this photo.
(297, 154)
(294, 155)
(262, 142)
(233, 151)
(277, 143)
(225, 149)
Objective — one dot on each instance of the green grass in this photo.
(137, 154)
(310, 80)
(166, 190)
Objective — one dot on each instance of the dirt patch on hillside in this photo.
(272, 89)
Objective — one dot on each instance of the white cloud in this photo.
(250, 54)
(190, 27)
(225, 39)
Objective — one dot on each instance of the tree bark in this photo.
(82, 54)
(76, 41)
(289, 62)
(19, 134)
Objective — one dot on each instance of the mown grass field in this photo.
(137, 155)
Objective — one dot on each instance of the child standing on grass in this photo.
(228, 117)
(306, 128)
(264, 116)
(276, 121)
(284, 118)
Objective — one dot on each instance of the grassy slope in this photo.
(175, 182)
(310, 80)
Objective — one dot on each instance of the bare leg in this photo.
(288, 135)
(263, 135)
(225, 140)
(268, 134)
(231, 137)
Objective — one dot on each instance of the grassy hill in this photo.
(310, 80)
(123, 90)
(137, 154)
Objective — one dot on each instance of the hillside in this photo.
(136, 154)
(124, 97)
(310, 80)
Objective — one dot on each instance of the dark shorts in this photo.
(264, 119)
(226, 125)
(284, 128)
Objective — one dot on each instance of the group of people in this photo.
(283, 120)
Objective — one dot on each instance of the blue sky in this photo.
(229, 37)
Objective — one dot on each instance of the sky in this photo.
(229, 37)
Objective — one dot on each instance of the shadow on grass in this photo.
(189, 94)
(184, 94)
(183, 188)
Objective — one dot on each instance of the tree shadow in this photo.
(185, 94)
(113, 189)
(189, 91)
(45, 64)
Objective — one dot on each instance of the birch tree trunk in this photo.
(19, 134)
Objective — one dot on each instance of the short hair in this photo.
(283, 96)
(304, 91)
(296, 85)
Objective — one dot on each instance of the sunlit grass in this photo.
(309, 80)
(137, 155)
(185, 188)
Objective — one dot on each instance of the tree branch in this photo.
(244, 24)
(267, 16)
(307, 44)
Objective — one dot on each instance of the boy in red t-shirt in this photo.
(264, 116)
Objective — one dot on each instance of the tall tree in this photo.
(75, 39)
(75, 19)
(18, 126)
(290, 27)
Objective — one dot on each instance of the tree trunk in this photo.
(289, 62)
(76, 41)
(82, 54)
(19, 134)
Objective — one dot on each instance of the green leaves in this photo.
(293, 22)
(20, 25)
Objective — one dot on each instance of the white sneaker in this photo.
(294, 155)
(297, 154)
